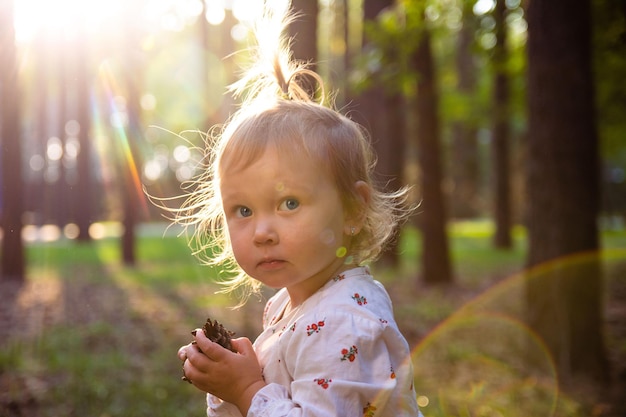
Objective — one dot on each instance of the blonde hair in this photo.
(278, 111)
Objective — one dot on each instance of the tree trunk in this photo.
(35, 186)
(501, 134)
(58, 190)
(564, 297)
(391, 156)
(370, 112)
(226, 48)
(304, 33)
(84, 206)
(432, 218)
(133, 199)
(11, 196)
(203, 34)
(380, 113)
(464, 167)
(345, 95)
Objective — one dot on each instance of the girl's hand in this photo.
(233, 377)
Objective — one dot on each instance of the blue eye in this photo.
(290, 204)
(244, 211)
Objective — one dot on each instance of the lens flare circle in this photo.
(479, 361)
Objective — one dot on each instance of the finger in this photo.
(242, 345)
(185, 377)
(182, 353)
(187, 351)
(196, 357)
(210, 349)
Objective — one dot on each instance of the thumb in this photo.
(243, 345)
(210, 349)
(182, 353)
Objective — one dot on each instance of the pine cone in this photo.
(215, 332)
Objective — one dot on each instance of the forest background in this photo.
(498, 113)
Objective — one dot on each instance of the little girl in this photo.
(289, 201)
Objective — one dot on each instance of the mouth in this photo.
(271, 264)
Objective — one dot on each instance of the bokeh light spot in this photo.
(422, 401)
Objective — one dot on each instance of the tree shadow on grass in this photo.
(77, 339)
(89, 336)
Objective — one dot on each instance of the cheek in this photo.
(328, 237)
(242, 254)
(327, 232)
(236, 236)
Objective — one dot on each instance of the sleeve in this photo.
(341, 364)
(219, 408)
(272, 400)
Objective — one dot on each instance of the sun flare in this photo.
(63, 18)
(67, 19)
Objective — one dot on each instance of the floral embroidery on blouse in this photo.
(347, 294)
(368, 410)
(339, 277)
(323, 382)
(314, 327)
(360, 300)
(349, 354)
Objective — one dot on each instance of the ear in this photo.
(356, 216)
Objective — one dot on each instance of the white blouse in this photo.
(340, 353)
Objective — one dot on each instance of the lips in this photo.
(271, 264)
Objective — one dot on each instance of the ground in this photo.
(40, 303)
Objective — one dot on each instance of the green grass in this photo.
(474, 259)
(113, 350)
(92, 337)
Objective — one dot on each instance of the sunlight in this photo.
(247, 11)
(119, 121)
(483, 6)
(215, 13)
(63, 18)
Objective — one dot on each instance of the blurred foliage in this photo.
(610, 66)
(182, 74)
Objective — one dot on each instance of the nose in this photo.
(265, 232)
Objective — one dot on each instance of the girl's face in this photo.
(286, 222)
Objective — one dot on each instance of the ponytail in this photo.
(274, 73)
